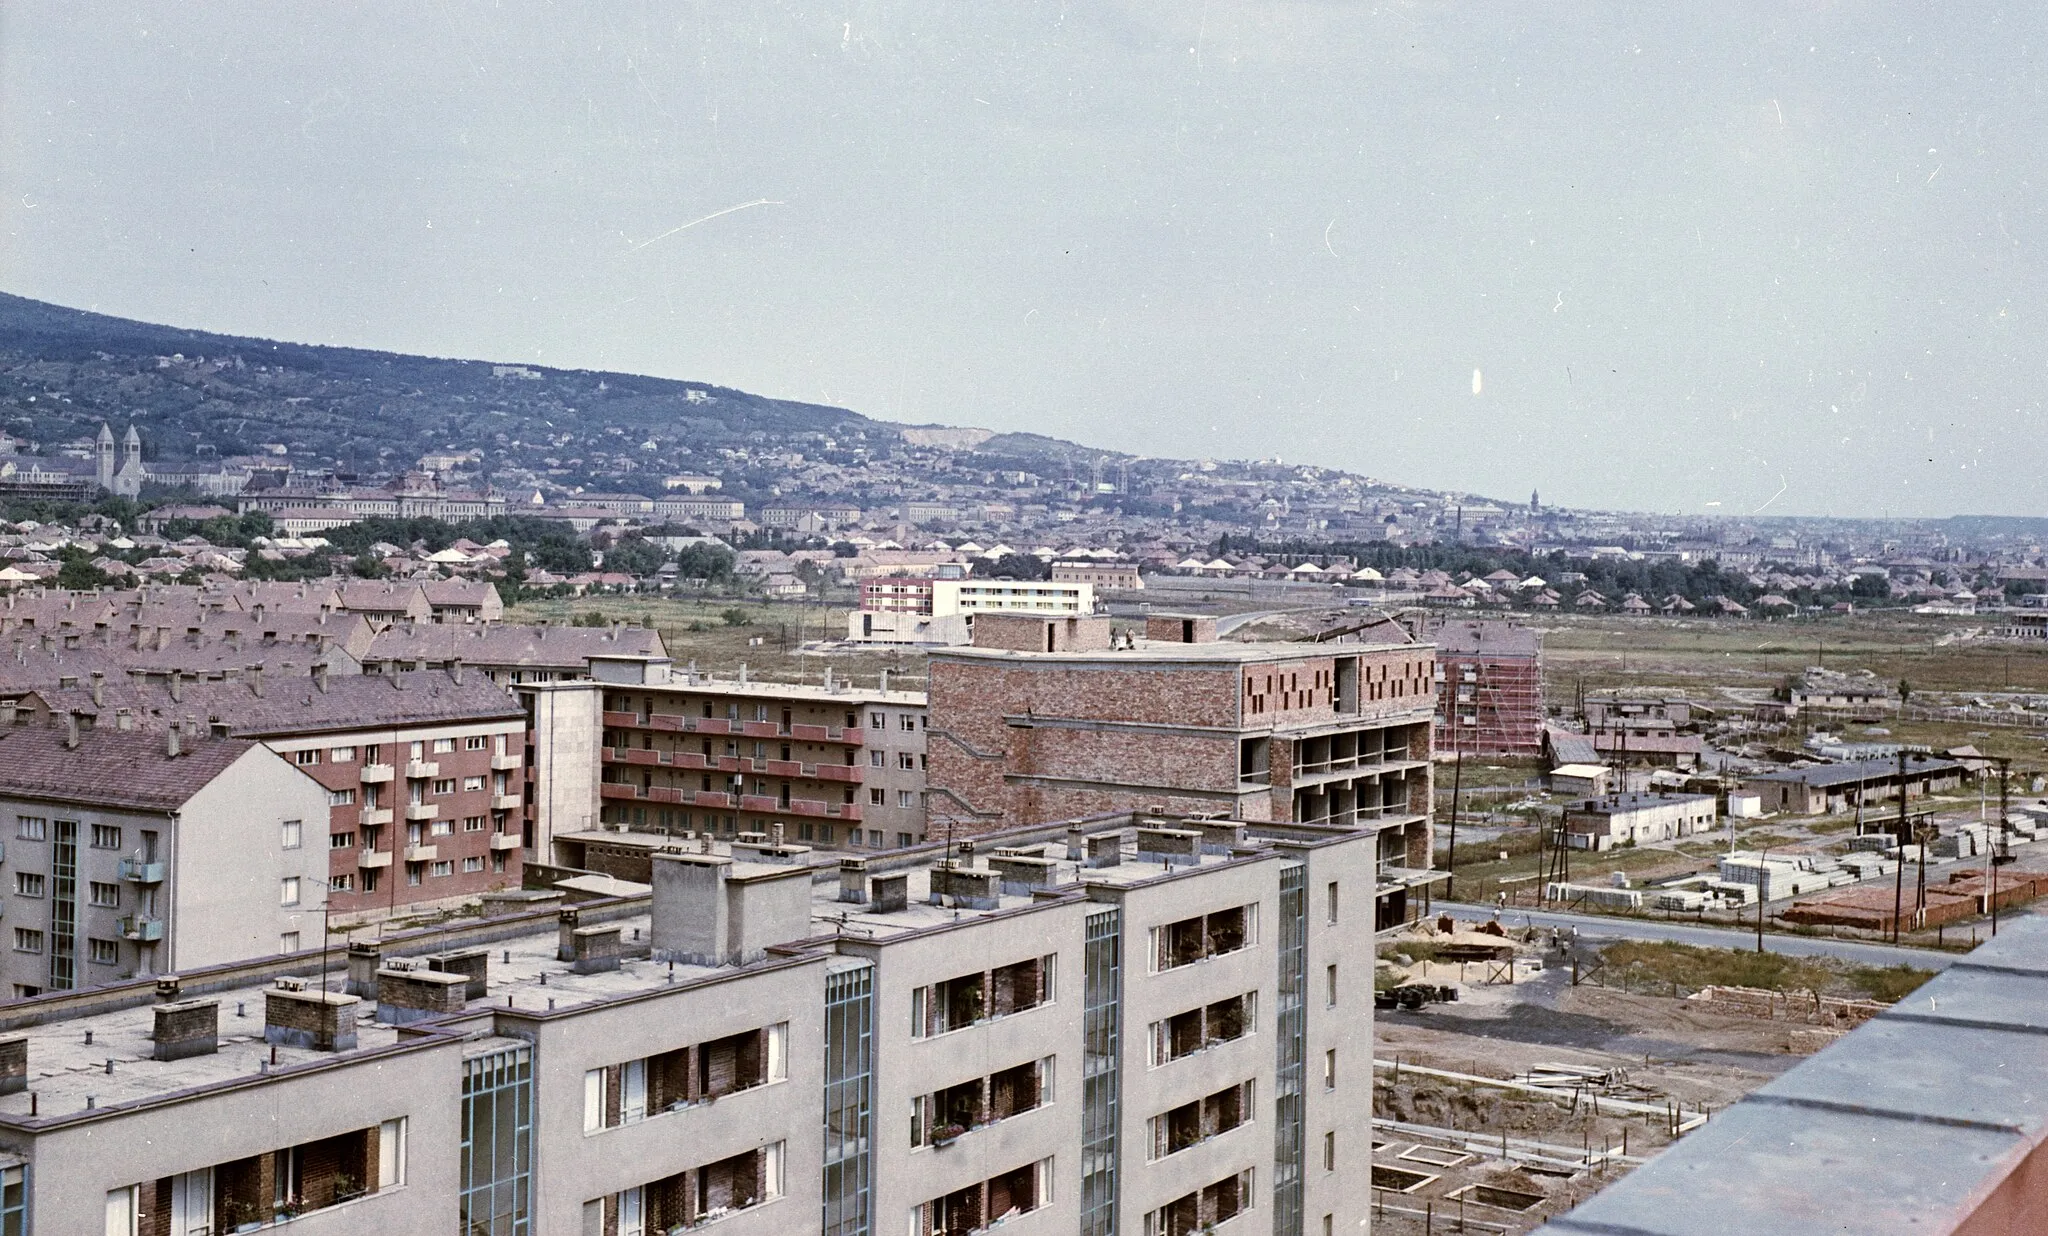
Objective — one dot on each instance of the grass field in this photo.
(1683, 969)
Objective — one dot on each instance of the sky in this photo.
(1728, 258)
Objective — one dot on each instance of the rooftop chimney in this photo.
(455, 670)
(316, 1020)
(171, 743)
(70, 730)
(708, 913)
(320, 677)
(99, 688)
(177, 682)
(186, 1028)
(890, 892)
(256, 680)
(853, 880)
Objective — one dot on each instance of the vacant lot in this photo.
(720, 635)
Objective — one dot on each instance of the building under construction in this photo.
(1489, 687)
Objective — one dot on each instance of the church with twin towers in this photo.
(126, 479)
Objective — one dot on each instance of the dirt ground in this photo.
(1655, 1050)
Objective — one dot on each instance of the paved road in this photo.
(1601, 927)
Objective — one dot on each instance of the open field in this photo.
(1701, 654)
(764, 640)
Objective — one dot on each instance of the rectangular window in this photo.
(909, 723)
(341, 841)
(1330, 1069)
(444, 746)
(288, 942)
(28, 884)
(877, 721)
(106, 837)
(444, 785)
(31, 827)
(473, 862)
(471, 785)
(1333, 901)
(1204, 936)
(474, 824)
(341, 798)
(440, 828)
(103, 952)
(906, 761)
(103, 894)
(1331, 977)
(291, 834)
(391, 1153)
(878, 797)
(288, 891)
(475, 742)
(1193, 1123)
(906, 799)
(878, 759)
(27, 940)
(342, 755)
(305, 758)
(444, 867)
(1330, 1151)
(343, 883)
(1203, 1027)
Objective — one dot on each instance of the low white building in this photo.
(1632, 819)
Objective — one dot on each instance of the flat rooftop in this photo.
(1634, 800)
(68, 1057)
(839, 692)
(1222, 651)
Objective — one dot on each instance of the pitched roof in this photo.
(508, 644)
(298, 705)
(112, 768)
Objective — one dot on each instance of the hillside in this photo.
(194, 394)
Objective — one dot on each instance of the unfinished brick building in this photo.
(1490, 695)
(1047, 719)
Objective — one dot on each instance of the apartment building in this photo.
(1046, 719)
(511, 655)
(424, 771)
(924, 609)
(130, 853)
(828, 764)
(1489, 688)
(1137, 1025)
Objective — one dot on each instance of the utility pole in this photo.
(1998, 853)
(1899, 886)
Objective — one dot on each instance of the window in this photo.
(305, 758)
(419, 750)
(878, 798)
(475, 742)
(1330, 1151)
(103, 894)
(878, 759)
(444, 867)
(444, 785)
(473, 862)
(288, 891)
(391, 1153)
(444, 746)
(1204, 936)
(341, 798)
(412, 874)
(906, 799)
(1203, 1209)
(28, 884)
(903, 841)
(106, 837)
(103, 952)
(344, 883)
(909, 723)
(342, 755)
(474, 824)
(471, 785)
(292, 832)
(1203, 1027)
(877, 721)
(980, 996)
(1331, 998)
(340, 841)
(27, 940)
(874, 837)
(1333, 901)
(1193, 1123)
(288, 942)
(1330, 1069)
(907, 761)
(440, 828)
(31, 827)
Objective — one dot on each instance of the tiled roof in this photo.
(111, 768)
(298, 705)
(505, 644)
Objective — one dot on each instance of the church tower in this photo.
(103, 456)
(131, 449)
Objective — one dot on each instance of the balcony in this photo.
(141, 929)
(375, 773)
(137, 871)
(616, 789)
(506, 763)
(504, 841)
(373, 858)
(421, 853)
(421, 770)
(505, 802)
(422, 811)
(376, 817)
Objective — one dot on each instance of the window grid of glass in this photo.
(1102, 1030)
(497, 1143)
(849, 1101)
(1291, 1030)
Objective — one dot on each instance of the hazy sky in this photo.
(1780, 256)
